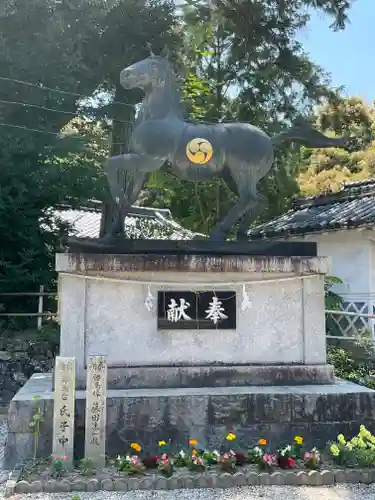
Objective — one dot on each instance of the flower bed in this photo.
(194, 467)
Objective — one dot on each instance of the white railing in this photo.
(345, 313)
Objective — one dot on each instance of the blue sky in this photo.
(348, 55)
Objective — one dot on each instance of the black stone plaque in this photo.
(183, 310)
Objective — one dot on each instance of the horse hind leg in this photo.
(248, 200)
(251, 216)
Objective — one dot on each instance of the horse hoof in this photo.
(242, 237)
(216, 236)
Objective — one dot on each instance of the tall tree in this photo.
(245, 64)
(324, 171)
(70, 53)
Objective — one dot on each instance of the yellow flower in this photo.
(349, 446)
(341, 439)
(334, 449)
(298, 440)
(262, 442)
(231, 437)
(136, 447)
(194, 452)
(162, 443)
(193, 442)
(364, 433)
(354, 441)
(361, 443)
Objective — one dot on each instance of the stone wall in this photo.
(23, 353)
(146, 416)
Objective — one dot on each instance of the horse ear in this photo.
(165, 53)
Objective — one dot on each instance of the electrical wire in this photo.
(26, 104)
(63, 92)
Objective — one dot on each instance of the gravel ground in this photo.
(352, 492)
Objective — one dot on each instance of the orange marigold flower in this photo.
(194, 452)
(193, 442)
(262, 442)
(136, 446)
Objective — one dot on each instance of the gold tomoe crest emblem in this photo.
(199, 151)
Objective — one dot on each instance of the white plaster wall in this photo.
(351, 253)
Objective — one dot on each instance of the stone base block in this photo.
(277, 413)
(164, 377)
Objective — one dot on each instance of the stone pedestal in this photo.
(280, 339)
(207, 414)
(265, 378)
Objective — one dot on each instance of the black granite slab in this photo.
(204, 310)
(196, 247)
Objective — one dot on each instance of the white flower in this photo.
(182, 454)
(285, 450)
(216, 453)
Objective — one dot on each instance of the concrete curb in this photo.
(204, 480)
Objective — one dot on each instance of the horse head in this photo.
(148, 73)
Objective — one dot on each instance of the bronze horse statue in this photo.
(239, 153)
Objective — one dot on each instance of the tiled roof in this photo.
(142, 222)
(352, 207)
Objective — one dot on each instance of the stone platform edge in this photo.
(167, 377)
(82, 263)
(199, 481)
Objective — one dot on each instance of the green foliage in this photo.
(59, 467)
(34, 425)
(86, 466)
(333, 302)
(324, 171)
(77, 48)
(235, 68)
(356, 363)
(239, 70)
(356, 452)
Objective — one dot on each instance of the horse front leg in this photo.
(131, 162)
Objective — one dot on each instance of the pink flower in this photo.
(134, 459)
(308, 455)
(55, 457)
(64, 457)
(269, 459)
(197, 460)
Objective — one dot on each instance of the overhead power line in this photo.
(63, 92)
(48, 132)
(71, 113)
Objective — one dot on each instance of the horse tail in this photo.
(305, 134)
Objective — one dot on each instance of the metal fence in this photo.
(40, 314)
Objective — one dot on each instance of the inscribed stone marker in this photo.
(63, 409)
(96, 410)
